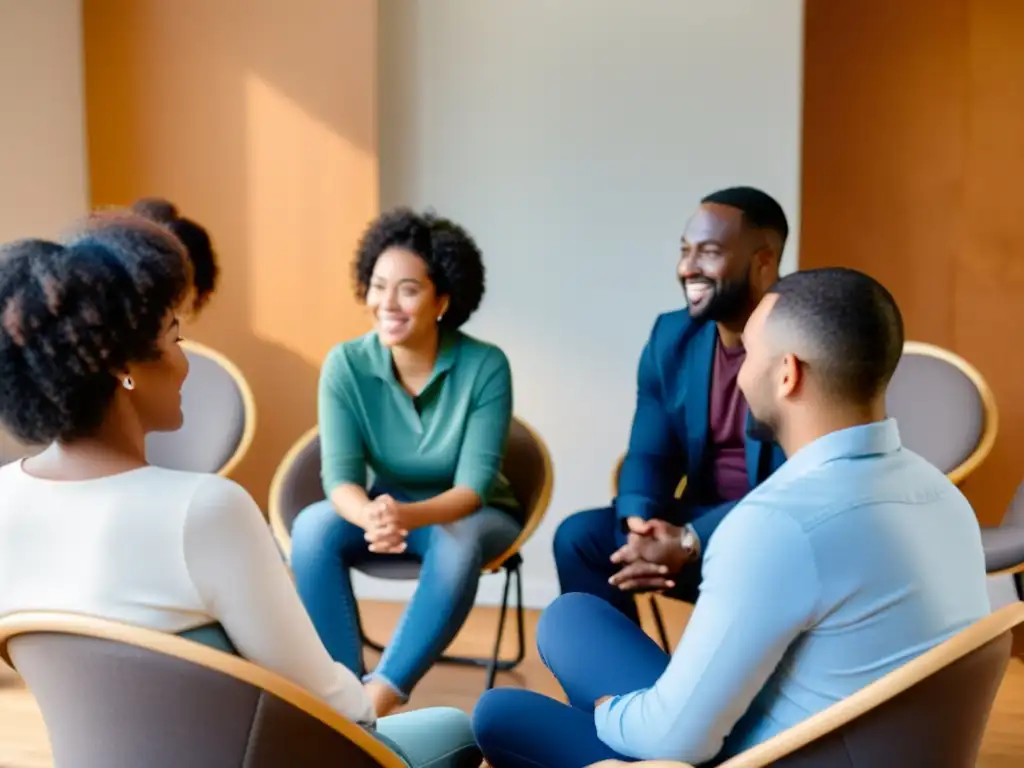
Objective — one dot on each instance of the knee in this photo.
(457, 558)
(455, 732)
(495, 717)
(313, 529)
(562, 621)
(573, 535)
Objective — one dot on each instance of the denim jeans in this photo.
(325, 546)
(593, 650)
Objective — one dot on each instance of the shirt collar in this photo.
(447, 352)
(874, 439)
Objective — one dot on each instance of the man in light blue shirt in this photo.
(853, 558)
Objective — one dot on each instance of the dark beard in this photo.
(729, 303)
(762, 431)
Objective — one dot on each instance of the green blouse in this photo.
(453, 433)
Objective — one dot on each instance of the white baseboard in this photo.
(536, 593)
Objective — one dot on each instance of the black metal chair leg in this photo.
(492, 667)
(660, 624)
(492, 663)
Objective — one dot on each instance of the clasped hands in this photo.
(652, 554)
(384, 521)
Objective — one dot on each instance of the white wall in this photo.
(573, 138)
(42, 125)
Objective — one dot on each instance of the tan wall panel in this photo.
(912, 159)
(988, 295)
(259, 120)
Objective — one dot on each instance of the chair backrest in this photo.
(220, 417)
(945, 409)
(931, 712)
(114, 696)
(527, 466)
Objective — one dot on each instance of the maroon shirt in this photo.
(728, 425)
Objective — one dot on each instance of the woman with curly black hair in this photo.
(427, 409)
(89, 363)
(197, 244)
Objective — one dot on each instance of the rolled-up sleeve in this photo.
(342, 448)
(487, 425)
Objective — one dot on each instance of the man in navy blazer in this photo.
(691, 418)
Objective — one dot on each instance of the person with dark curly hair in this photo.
(197, 244)
(90, 363)
(427, 409)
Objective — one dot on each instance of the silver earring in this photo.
(128, 383)
(440, 318)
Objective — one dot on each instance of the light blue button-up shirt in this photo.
(854, 557)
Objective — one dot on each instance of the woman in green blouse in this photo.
(426, 409)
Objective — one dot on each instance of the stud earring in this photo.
(440, 318)
(128, 383)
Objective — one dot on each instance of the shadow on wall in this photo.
(258, 120)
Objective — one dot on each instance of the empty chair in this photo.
(116, 696)
(1004, 544)
(945, 409)
(220, 417)
(930, 712)
(527, 465)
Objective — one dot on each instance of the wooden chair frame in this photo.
(991, 427)
(510, 560)
(32, 622)
(863, 701)
(248, 402)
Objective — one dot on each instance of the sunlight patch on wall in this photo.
(310, 195)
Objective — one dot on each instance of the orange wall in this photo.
(258, 119)
(913, 160)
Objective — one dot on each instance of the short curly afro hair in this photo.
(73, 315)
(454, 261)
(195, 239)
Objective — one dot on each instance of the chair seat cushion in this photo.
(398, 567)
(1004, 547)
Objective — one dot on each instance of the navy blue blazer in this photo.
(669, 437)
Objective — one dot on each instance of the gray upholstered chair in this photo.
(1004, 544)
(527, 466)
(220, 417)
(948, 414)
(115, 696)
(931, 712)
(944, 407)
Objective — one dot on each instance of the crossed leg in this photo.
(593, 650)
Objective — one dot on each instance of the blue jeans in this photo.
(325, 546)
(593, 650)
(438, 737)
(585, 541)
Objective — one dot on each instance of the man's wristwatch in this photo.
(690, 542)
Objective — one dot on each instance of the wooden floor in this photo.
(23, 741)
